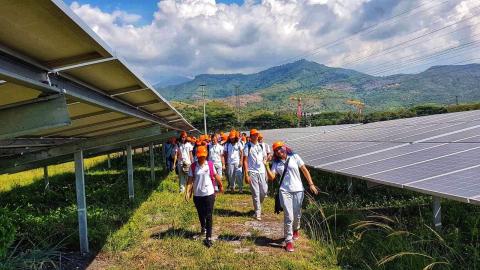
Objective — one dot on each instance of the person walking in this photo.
(202, 178)
(233, 156)
(254, 157)
(184, 160)
(215, 154)
(291, 192)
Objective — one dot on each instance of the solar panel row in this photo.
(437, 154)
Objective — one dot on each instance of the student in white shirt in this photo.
(253, 164)
(291, 189)
(202, 178)
(184, 159)
(215, 154)
(233, 157)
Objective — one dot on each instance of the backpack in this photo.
(210, 168)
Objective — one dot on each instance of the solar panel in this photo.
(435, 154)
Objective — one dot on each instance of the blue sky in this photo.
(144, 8)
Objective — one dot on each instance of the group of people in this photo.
(200, 164)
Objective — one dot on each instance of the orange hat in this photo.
(237, 134)
(253, 132)
(202, 151)
(277, 144)
(201, 138)
(183, 134)
(224, 137)
(260, 135)
(232, 134)
(198, 143)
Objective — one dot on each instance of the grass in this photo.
(154, 232)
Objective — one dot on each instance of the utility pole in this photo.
(204, 112)
(456, 100)
(237, 102)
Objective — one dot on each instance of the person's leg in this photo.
(183, 179)
(209, 203)
(263, 187)
(255, 189)
(231, 177)
(297, 199)
(287, 204)
(239, 179)
(200, 206)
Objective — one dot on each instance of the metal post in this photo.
(152, 163)
(81, 202)
(350, 186)
(131, 193)
(204, 112)
(45, 178)
(437, 213)
(109, 165)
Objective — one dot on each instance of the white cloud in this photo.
(187, 37)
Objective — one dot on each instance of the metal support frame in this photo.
(109, 164)
(152, 162)
(437, 212)
(45, 178)
(29, 75)
(32, 116)
(350, 186)
(131, 192)
(81, 202)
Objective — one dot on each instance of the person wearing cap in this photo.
(184, 159)
(254, 157)
(202, 179)
(291, 189)
(233, 156)
(215, 154)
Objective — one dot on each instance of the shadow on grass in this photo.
(52, 214)
(174, 233)
(261, 241)
(232, 213)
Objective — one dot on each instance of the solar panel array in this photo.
(437, 155)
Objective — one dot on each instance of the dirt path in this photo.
(169, 239)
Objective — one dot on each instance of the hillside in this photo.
(325, 88)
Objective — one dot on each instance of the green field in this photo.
(380, 228)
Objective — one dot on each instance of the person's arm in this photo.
(222, 157)
(307, 175)
(175, 156)
(245, 169)
(189, 188)
(271, 175)
(219, 182)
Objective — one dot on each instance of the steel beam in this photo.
(437, 212)
(131, 192)
(84, 144)
(86, 62)
(350, 186)
(126, 90)
(109, 164)
(152, 162)
(12, 70)
(28, 117)
(81, 202)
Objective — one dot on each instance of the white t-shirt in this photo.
(292, 181)
(185, 150)
(256, 154)
(266, 147)
(215, 153)
(202, 183)
(233, 153)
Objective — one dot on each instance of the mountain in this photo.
(325, 88)
(164, 81)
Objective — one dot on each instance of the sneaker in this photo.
(208, 242)
(258, 218)
(203, 231)
(289, 247)
(296, 235)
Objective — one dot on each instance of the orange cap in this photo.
(277, 144)
(224, 137)
(202, 151)
(232, 134)
(253, 132)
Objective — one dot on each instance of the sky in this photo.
(379, 37)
